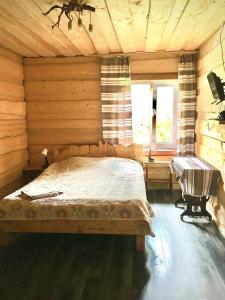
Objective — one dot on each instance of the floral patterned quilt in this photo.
(92, 188)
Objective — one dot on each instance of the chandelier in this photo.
(68, 8)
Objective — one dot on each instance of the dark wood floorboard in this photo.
(186, 260)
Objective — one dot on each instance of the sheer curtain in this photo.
(186, 105)
(116, 100)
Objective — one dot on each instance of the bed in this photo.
(100, 193)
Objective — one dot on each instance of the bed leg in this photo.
(140, 243)
(7, 238)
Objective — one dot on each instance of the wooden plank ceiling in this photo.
(120, 26)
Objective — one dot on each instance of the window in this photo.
(154, 114)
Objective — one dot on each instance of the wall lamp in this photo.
(44, 153)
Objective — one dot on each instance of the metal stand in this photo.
(46, 164)
(196, 206)
(180, 201)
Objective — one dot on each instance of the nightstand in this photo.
(31, 172)
(158, 172)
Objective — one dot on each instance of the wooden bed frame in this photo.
(133, 151)
(139, 228)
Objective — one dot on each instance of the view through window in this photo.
(154, 114)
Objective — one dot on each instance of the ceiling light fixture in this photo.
(68, 8)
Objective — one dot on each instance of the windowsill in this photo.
(165, 152)
(161, 155)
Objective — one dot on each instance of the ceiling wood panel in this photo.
(206, 20)
(36, 14)
(213, 42)
(120, 26)
(123, 23)
(140, 16)
(31, 17)
(193, 13)
(15, 45)
(97, 37)
(108, 29)
(25, 35)
(160, 12)
(175, 16)
(211, 20)
(29, 22)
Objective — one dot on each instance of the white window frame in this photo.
(153, 85)
(166, 146)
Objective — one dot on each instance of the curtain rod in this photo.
(147, 53)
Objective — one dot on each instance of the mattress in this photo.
(103, 188)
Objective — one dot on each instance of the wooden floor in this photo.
(184, 261)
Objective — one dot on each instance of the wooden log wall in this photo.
(63, 103)
(13, 137)
(63, 98)
(210, 134)
(154, 66)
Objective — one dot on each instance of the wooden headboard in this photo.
(133, 151)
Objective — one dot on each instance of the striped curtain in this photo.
(116, 100)
(186, 105)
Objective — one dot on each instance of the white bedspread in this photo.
(93, 188)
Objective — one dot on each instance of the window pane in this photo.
(141, 103)
(164, 114)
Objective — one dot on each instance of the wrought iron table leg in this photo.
(180, 200)
(196, 207)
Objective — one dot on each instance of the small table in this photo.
(159, 172)
(199, 181)
(31, 172)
